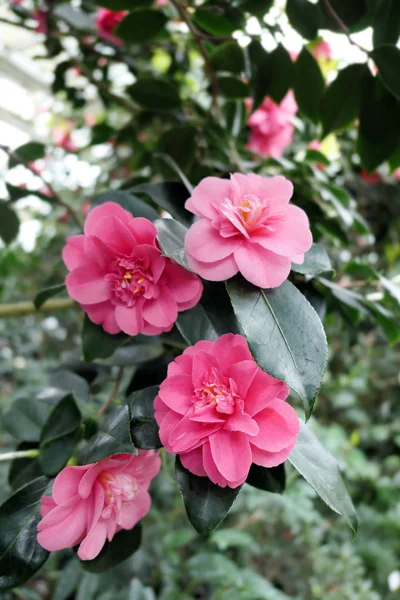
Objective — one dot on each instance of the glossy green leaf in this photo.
(49, 292)
(304, 17)
(322, 472)
(215, 23)
(113, 438)
(179, 143)
(170, 196)
(316, 261)
(255, 7)
(128, 201)
(272, 74)
(25, 418)
(121, 547)
(97, 343)
(229, 57)
(269, 480)
(9, 223)
(144, 428)
(232, 87)
(386, 22)
(308, 76)
(141, 26)
(155, 94)
(20, 554)
(171, 236)
(28, 153)
(284, 334)
(60, 436)
(387, 59)
(351, 13)
(24, 470)
(206, 503)
(341, 101)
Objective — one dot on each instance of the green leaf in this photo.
(144, 427)
(60, 436)
(206, 503)
(180, 144)
(232, 87)
(322, 472)
(9, 223)
(387, 59)
(304, 17)
(176, 169)
(25, 418)
(308, 76)
(171, 237)
(129, 202)
(121, 547)
(228, 57)
(281, 73)
(49, 292)
(386, 22)
(68, 580)
(256, 7)
(351, 14)
(269, 480)
(97, 343)
(113, 438)
(141, 26)
(155, 94)
(316, 261)
(28, 153)
(23, 470)
(215, 23)
(210, 318)
(20, 554)
(284, 334)
(16, 192)
(169, 196)
(340, 103)
(123, 4)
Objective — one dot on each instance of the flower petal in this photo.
(129, 319)
(207, 196)
(87, 285)
(93, 543)
(261, 267)
(73, 252)
(107, 209)
(204, 243)
(279, 427)
(193, 461)
(231, 453)
(176, 392)
(219, 270)
(161, 311)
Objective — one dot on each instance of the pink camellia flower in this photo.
(220, 412)
(272, 126)
(246, 225)
(161, 2)
(107, 21)
(41, 17)
(322, 50)
(119, 277)
(90, 504)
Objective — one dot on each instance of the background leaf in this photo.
(144, 428)
(271, 479)
(49, 292)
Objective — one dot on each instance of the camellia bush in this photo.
(232, 217)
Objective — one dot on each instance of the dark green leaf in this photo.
(284, 334)
(350, 13)
(137, 350)
(387, 59)
(121, 547)
(155, 94)
(20, 554)
(70, 382)
(129, 202)
(304, 17)
(386, 22)
(16, 193)
(315, 156)
(215, 23)
(272, 74)
(206, 503)
(180, 144)
(269, 480)
(228, 57)
(97, 343)
(307, 77)
(171, 236)
(101, 133)
(169, 196)
(144, 428)
(232, 87)
(141, 25)
(255, 7)
(68, 580)
(113, 438)
(49, 292)
(123, 4)
(9, 223)
(60, 435)
(28, 153)
(322, 472)
(340, 103)
(175, 168)
(25, 418)
(23, 470)
(316, 261)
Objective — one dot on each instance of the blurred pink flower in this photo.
(322, 50)
(397, 174)
(246, 225)
(41, 17)
(161, 2)
(62, 138)
(272, 126)
(107, 21)
(120, 278)
(90, 504)
(370, 178)
(220, 412)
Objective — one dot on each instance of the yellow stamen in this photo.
(128, 276)
(141, 280)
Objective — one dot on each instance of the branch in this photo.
(55, 196)
(19, 454)
(17, 24)
(199, 42)
(19, 309)
(335, 17)
(113, 394)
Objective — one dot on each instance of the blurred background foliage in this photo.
(113, 112)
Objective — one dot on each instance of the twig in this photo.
(56, 197)
(19, 454)
(113, 394)
(19, 309)
(199, 42)
(335, 17)
(17, 24)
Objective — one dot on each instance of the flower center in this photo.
(217, 390)
(119, 489)
(130, 279)
(247, 214)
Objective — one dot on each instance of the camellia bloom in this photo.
(119, 277)
(41, 17)
(272, 126)
(246, 225)
(107, 21)
(90, 504)
(322, 50)
(220, 412)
